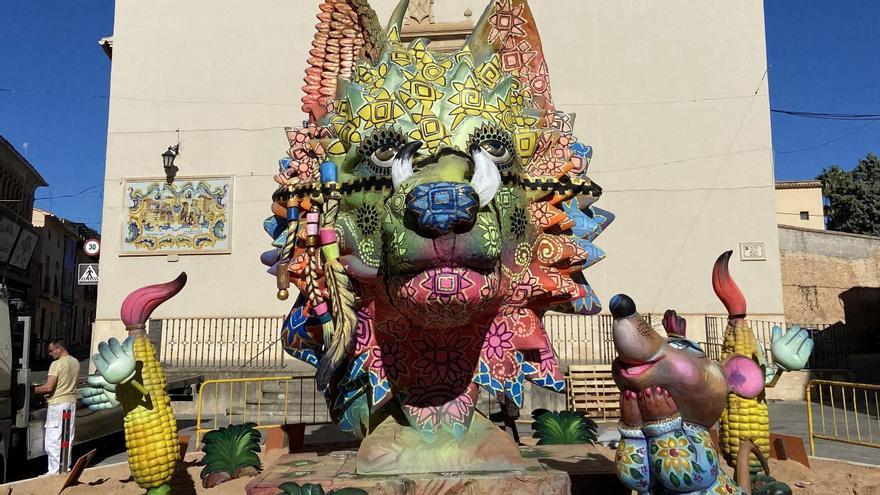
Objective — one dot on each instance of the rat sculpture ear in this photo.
(674, 324)
(744, 377)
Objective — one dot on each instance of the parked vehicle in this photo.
(23, 413)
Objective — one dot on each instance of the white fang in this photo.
(401, 169)
(487, 178)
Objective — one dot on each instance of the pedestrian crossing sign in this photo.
(87, 273)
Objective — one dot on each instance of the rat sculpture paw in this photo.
(791, 349)
(655, 403)
(630, 414)
(99, 394)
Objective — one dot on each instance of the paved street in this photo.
(790, 418)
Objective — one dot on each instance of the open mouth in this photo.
(632, 370)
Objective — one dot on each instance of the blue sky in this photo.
(823, 57)
(51, 59)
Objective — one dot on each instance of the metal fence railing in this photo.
(712, 349)
(253, 342)
(829, 351)
(219, 343)
(852, 409)
(579, 339)
(763, 330)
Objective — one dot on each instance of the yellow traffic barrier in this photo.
(855, 405)
(268, 402)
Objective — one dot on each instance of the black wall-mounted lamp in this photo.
(168, 162)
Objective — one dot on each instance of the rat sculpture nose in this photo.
(634, 340)
(622, 306)
(437, 208)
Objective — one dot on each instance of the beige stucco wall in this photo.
(791, 202)
(664, 91)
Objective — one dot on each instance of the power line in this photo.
(682, 160)
(298, 105)
(210, 129)
(830, 141)
(49, 198)
(64, 196)
(827, 115)
(690, 189)
(149, 100)
(798, 214)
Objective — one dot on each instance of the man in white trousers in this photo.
(60, 389)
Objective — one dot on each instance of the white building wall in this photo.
(672, 96)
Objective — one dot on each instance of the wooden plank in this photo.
(599, 390)
(591, 389)
(81, 464)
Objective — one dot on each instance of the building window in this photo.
(805, 215)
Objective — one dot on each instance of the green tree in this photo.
(854, 197)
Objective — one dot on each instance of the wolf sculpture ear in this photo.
(395, 24)
(744, 377)
(508, 28)
(347, 30)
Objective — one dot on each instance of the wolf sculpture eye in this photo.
(498, 153)
(379, 150)
(496, 143)
(383, 156)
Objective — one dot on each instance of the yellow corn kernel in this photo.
(151, 434)
(743, 417)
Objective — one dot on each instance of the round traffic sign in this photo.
(92, 247)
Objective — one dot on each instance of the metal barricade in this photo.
(268, 402)
(848, 406)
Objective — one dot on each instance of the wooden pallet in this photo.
(591, 389)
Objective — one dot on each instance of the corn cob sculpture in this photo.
(131, 376)
(743, 418)
(748, 418)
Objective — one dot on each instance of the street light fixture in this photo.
(168, 162)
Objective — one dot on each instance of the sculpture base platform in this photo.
(556, 469)
(393, 449)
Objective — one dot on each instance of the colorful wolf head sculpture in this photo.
(430, 212)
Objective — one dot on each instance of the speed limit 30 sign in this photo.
(91, 247)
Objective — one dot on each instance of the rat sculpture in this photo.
(671, 394)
